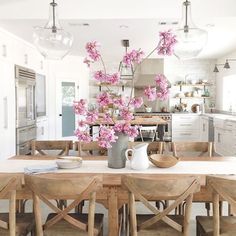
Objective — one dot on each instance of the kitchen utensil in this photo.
(163, 160)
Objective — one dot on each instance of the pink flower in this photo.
(163, 94)
(106, 137)
(83, 135)
(119, 127)
(135, 56)
(87, 61)
(82, 123)
(166, 43)
(103, 99)
(126, 114)
(92, 50)
(113, 79)
(132, 131)
(150, 93)
(99, 76)
(119, 102)
(91, 117)
(107, 118)
(136, 102)
(79, 107)
(161, 81)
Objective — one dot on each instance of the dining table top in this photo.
(98, 165)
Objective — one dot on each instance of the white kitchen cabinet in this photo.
(7, 110)
(225, 137)
(185, 127)
(204, 129)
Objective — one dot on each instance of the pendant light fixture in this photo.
(191, 40)
(216, 70)
(226, 65)
(126, 72)
(51, 40)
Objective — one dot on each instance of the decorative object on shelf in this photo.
(51, 40)
(191, 40)
(111, 127)
(126, 72)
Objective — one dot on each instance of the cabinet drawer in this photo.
(187, 136)
(229, 125)
(185, 123)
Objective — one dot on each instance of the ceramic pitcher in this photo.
(139, 159)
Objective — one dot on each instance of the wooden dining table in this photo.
(112, 196)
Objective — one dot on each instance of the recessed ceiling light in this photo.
(79, 24)
(124, 26)
(168, 23)
(210, 25)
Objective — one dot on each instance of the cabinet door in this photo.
(204, 128)
(7, 101)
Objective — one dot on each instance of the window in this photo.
(229, 93)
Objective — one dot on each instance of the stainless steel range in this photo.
(165, 116)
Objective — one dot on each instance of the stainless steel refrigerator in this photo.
(25, 109)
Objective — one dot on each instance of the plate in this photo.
(68, 164)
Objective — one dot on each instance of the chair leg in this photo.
(79, 208)
(198, 233)
(208, 208)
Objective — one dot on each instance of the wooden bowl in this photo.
(163, 160)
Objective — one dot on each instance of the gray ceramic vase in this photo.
(116, 154)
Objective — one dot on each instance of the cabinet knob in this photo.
(60, 114)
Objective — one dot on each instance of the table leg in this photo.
(113, 227)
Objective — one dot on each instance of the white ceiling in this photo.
(141, 16)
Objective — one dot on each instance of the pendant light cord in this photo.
(54, 28)
(186, 27)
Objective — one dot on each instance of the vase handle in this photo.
(127, 153)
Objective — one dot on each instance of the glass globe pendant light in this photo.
(191, 40)
(51, 40)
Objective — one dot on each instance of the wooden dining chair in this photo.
(62, 222)
(216, 225)
(160, 223)
(89, 149)
(12, 223)
(181, 149)
(55, 147)
(193, 149)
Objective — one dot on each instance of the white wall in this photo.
(72, 69)
(222, 73)
(185, 70)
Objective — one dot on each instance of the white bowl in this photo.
(148, 109)
(68, 164)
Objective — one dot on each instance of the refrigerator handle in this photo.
(5, 105)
